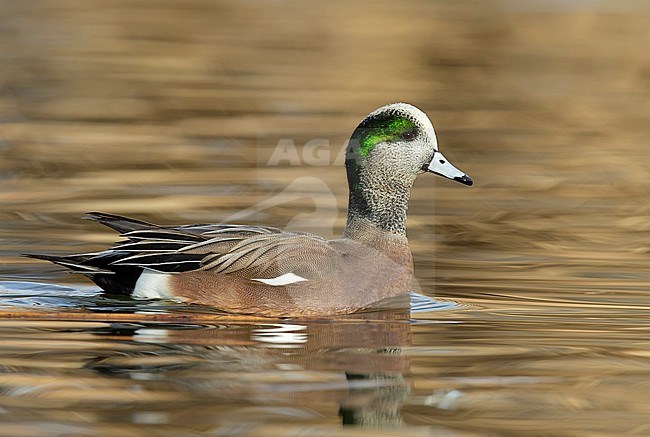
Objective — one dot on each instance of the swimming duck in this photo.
(267, 271)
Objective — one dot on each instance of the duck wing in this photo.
(269, 256)
(252, 252)
(249, 252)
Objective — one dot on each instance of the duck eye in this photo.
(409, 135)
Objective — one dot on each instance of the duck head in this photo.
(386, 152)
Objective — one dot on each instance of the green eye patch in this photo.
(387, 129)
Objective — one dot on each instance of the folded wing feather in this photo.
(246, 251)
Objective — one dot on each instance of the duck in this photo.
(267, 271)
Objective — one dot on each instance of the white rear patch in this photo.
(287, 278)
(152, 285)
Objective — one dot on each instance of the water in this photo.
(173, 112)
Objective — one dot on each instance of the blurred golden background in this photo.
(171, 112)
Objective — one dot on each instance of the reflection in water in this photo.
(354, 363)
(375, 400)
(358, 366)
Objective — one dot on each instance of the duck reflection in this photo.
(349, 369)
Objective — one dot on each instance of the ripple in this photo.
(424, 304)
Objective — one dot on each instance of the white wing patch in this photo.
(287, 278)
(152, 285)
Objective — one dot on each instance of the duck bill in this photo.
(442, 167)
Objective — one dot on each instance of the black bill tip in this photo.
(465, 180)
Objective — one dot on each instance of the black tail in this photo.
(102, 267)
(73, 262)
(119, 223)
(112, 279)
